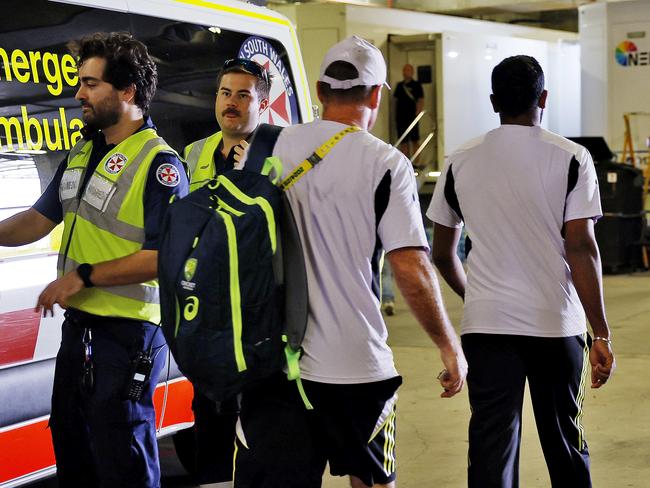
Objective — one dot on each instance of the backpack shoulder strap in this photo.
(264, 139)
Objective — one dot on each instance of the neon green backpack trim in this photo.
(235, 292)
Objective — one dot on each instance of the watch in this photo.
(84, 271)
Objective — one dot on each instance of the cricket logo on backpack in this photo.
(188, 274)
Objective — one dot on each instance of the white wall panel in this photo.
(563, 82)
(468, 61)
(630, 86)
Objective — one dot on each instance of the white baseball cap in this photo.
(365, 57)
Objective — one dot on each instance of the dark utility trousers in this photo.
(100, 438)
(214, 427)
(557, 370)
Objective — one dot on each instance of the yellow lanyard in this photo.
(315, 158)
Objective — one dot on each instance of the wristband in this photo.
(84, 271)
(604, 339)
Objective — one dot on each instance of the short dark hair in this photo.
(517, 84)
(127, 63)
(342, 70)
(262, 87)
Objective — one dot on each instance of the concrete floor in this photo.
(432, 432)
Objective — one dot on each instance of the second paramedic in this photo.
(242, 96)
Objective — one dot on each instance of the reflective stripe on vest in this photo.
(202, 152)
(106, 222)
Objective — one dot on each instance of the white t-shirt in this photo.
(335, 206)
(511, 186)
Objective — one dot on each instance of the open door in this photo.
(423, 51)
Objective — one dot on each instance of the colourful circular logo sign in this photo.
(622, 51)
(283, 106)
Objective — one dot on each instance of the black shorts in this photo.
(281, 444)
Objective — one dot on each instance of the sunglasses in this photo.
(249, 66)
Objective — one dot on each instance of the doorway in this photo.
(423, 52)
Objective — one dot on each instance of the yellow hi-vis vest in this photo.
(199, 157)
(106, 222)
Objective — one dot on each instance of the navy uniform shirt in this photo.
(156, 195)
(221, 163)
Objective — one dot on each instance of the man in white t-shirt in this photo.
(358, 201)
(529, 199)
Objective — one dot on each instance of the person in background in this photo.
(409, 102)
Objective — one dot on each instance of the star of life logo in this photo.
(283, 105)
(168, 175)
(115, 163)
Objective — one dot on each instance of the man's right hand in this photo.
(241, 151)
(452, 378)
(59, 292)
(419, 286)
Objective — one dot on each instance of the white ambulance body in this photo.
(39, 123)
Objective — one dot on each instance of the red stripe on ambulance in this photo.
(18, 333)
(25, 450)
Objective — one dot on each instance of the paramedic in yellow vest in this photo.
(243, 88)
(242, 96)
(111, 192)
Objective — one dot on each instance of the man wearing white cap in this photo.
(359, 200)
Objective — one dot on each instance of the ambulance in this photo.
(40, 121)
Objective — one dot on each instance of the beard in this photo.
(103, 114)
